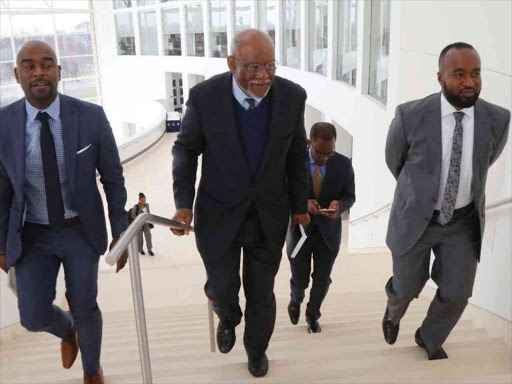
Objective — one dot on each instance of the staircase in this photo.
(350, 349)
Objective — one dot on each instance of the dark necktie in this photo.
(252, 103)
(452, 182)
(54, 202)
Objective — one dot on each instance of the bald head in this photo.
(251, 37)
(37, 45)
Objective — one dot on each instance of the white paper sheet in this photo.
(300, 243)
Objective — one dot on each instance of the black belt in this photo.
(459, 212)
(67, 223)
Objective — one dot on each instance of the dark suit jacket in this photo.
(226, 189)
(338, 185)
(413, 155)
(84, 124)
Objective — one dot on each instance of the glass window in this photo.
(165, 1)
(172, 32)
(346, 69)
(242, 15)
(146, 2)
(78, 66)
(195, 34)
(73, 34)
(148, 33)
(8, 95)
(219, 34)
(318, 36)
(291, 38)
(267, 11)
(122, 4)
(125, 34)
(7, 73)
(81, 89)
(71, 4)
(6, 53)
(29, 27)
(379, 49)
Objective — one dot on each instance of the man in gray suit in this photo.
(439, 149)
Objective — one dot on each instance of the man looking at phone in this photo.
(331, 192)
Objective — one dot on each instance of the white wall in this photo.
(419, 30)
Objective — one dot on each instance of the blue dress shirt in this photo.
(35, 194)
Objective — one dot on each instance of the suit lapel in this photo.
(70, 133)
(18, 147)
(232, 136)
(434, 133)
(275, 123)
(482, 134)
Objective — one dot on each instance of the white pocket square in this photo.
(83, 149)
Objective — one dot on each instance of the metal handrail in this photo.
(128, 240)
(388, 206)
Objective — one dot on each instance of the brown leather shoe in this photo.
(69, 349)
(95, 378)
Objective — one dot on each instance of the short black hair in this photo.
(141, 195)
(457, 45)
(322, 130)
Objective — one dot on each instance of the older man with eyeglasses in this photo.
(248, 124)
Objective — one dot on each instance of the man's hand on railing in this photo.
(183, 215)
(3, 262)
(124, 257)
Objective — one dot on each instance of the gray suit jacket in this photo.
(84, 126)
(413, 155)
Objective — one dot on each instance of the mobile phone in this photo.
(327, 210)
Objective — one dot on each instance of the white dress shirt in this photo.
(464, 194)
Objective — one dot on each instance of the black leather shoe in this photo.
(294, 312)
(226, 338)
(389, 329)
(313, 326)
(437, 355)
(142, 252)
(258, 365)
(151, 253)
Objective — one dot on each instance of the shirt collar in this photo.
(311, 160)
(53, 110)
(240, 95)
(448, 109)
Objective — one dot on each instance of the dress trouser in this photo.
(44, 250)
(147, 234)
(323, 261)
(456, 248)
(260, 267)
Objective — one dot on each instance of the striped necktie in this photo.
(252, 103)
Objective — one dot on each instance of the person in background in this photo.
(51, 212)
(139, 208)
(439, 150)
(331, 192)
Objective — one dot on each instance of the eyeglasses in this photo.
(320, 154)
(256, 68)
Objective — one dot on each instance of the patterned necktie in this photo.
(252, 103)
(452, 183)
(54, 202)
(317, 181)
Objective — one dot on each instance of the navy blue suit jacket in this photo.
(83, 124)
(338, 185)
(227, 189)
